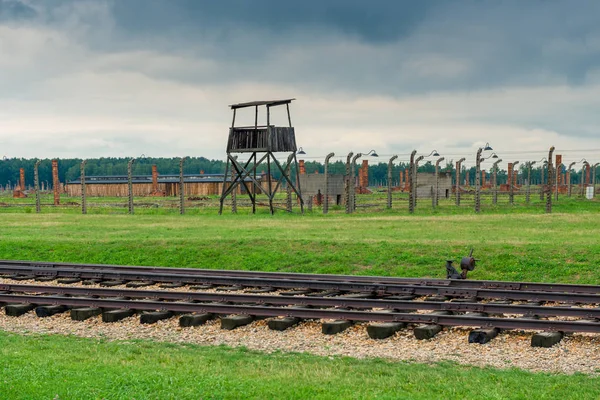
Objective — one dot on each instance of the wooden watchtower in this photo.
(260, 142)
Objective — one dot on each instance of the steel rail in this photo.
(36, 267)
(344, 302)
(378, 288)
(46, 269)
(448, 320)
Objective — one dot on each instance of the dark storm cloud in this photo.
(373, 21)
(393, 48)
(403, 46)
(15, 10)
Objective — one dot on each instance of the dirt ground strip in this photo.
(575, 353)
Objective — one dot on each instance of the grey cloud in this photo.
(374, 21)
(15, 10)
(395, 48)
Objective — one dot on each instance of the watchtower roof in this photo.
(268, 103)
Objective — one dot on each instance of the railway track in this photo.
(388, 304)
(253, 278)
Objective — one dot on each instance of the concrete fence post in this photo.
(594, 178)
(83, 188)
(437, 181)
(415, 178)
(458, 167)
(411, 186)
(477, 180)
(528, 188)
(130, 185)
(326, 189)
(182, 187)
(288, 187)
(512, 180)
(353, 185)
(389, 181)
(542, 187)
(557, 170)
(569, 185)
(347, 183)
(495, 195)
(550, 180)
(55, 182)
(36, 184)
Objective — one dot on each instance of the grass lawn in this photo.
(525, 245)
(561, 247)
(46, 367)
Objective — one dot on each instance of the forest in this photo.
(69, 169)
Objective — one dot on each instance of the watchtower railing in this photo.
(261, 138)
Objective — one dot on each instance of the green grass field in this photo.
(524, 245)
(47, 367)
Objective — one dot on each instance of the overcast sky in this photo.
(96, 78)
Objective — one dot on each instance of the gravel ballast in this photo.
(578, 352)
(575, 353)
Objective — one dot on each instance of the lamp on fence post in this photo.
(550, 180)
(437, 181)
(326, 189)
(511, 192)
(389, 185)
(130, 185)
(569, 178)
(347, 183)
(36, 184)
(83, 188)
(495, 168)
(458, 166)
(477, 176)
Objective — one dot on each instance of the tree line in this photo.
(69, 169)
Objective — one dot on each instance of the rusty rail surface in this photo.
(339, 301)
(194, 275)
(279, 307)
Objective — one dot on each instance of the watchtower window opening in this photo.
(260, 134)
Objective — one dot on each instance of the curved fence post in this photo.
(437, 181)
(458, 168)
(347, 183)
(477, 180)
(389, 185)
(411, 189)
(415, 178)
(495, 196)
(353, 183)
(326, 199)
